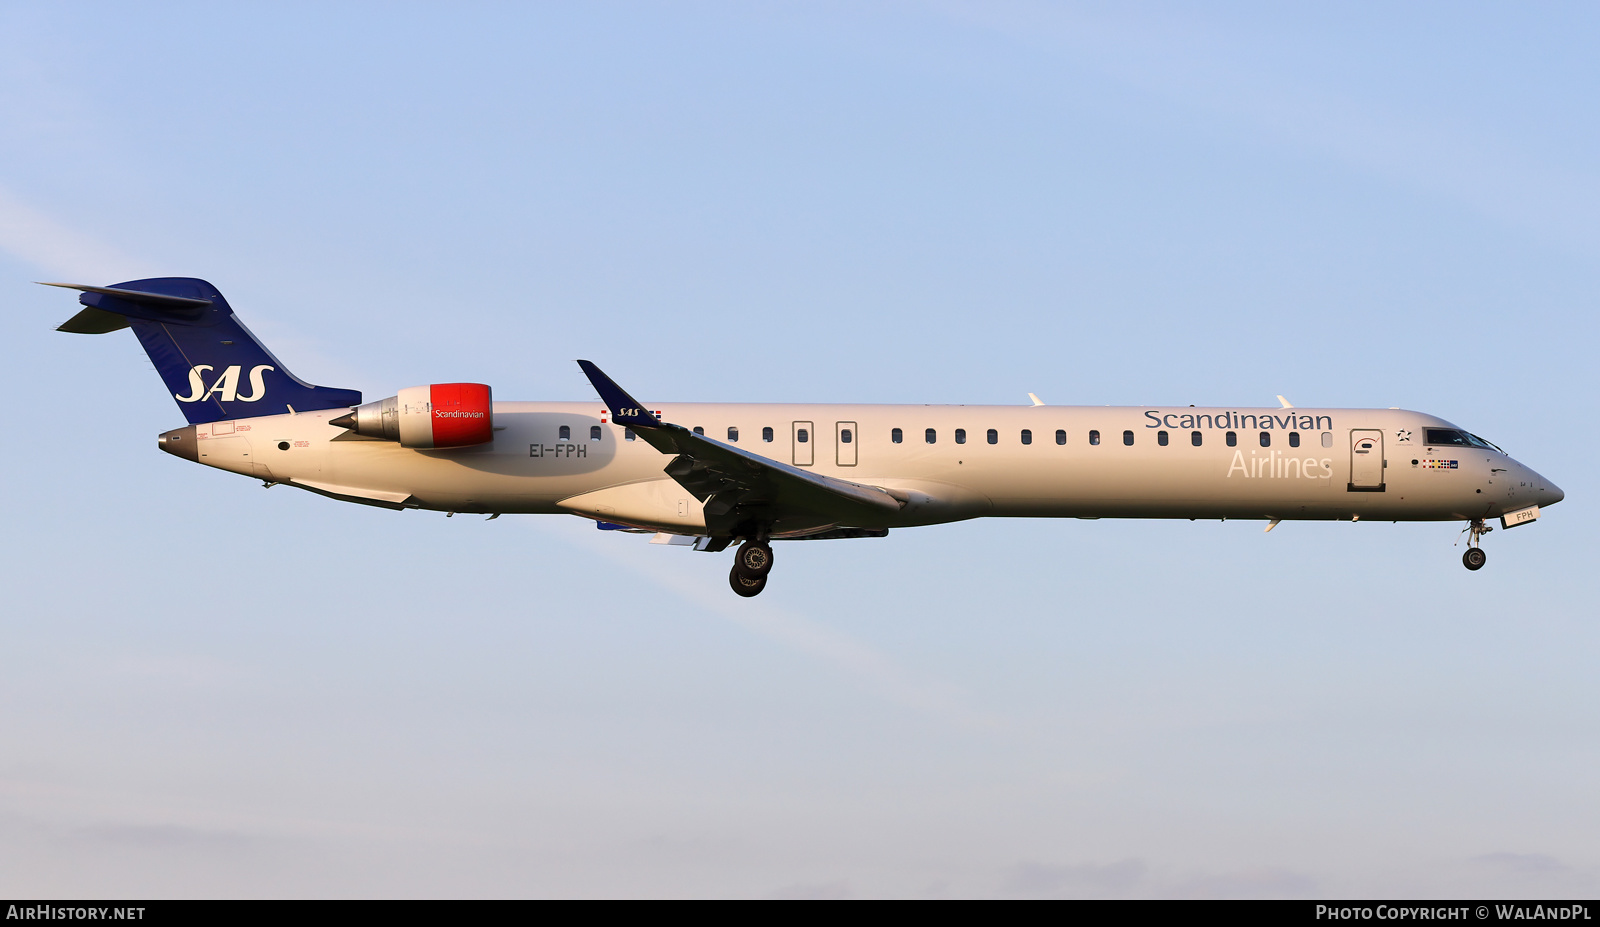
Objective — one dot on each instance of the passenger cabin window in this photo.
(698, 430)
(1061, 436)
(1161, 438)
(733, 435)
(802, 435)
(766, 434)
(1127, 438)
(1194, 438)
(1027, 436)
(1294, 439)
(1232, 438)
(1094, 437)
(993, 436)
(594, 432)
(627, 434)
(565, 433)
(1266, 439)
(845, 436)
(1327, 439)
(961, 436)
(896, 435)
(930, 436)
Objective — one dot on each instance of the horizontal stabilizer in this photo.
(138, 296)
(92, 321)
(138, 304)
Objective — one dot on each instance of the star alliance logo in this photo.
(1403, 436)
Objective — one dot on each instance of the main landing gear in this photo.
(1475, 558)
(751, 565)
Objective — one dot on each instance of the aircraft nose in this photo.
(1547, 492)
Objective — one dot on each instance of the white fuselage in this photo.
(555, 457)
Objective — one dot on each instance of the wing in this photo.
(743, 492)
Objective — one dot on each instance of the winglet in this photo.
(1036, 400)
(1286, 403)
(625, 410)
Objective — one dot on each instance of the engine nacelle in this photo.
(441, 415)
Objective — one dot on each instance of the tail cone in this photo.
(180, 442)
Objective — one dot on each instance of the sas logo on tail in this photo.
(226, 385)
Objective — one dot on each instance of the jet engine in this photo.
(440, 415)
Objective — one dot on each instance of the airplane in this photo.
(711, 474)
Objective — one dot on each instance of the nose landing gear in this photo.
(1475, 558)
(751, 565)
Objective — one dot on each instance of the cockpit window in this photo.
(1446, 437)
(1480, 442)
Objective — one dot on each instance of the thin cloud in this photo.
(1118, 878)
(59, 250)
(796, 633)
(1523, 862)
(1266, 882)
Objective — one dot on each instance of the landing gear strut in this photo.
(1475, 558)
(751, 565)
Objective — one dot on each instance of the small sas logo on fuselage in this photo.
(226, 386)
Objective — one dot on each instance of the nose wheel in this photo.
(751, 564)
(1475, 558)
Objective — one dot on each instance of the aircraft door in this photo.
(1366, 460)
(804, 444)
(845, 436)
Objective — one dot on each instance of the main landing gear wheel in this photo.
(754, 557)
(744, 583)
(1474, 558)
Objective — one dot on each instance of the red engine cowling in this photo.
(441, 415)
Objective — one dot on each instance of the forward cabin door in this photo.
(1366, 461)
(845, 437)
(804, 444)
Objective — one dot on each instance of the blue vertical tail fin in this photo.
(212, 365)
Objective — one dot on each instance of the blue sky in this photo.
(215, 690)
